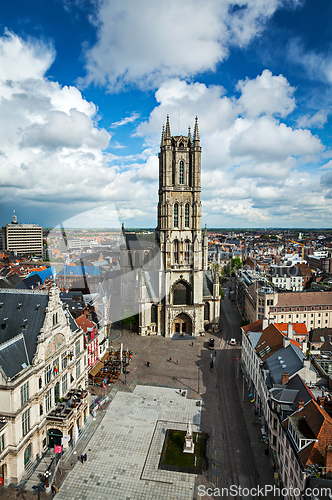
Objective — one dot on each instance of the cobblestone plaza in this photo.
(124, 453)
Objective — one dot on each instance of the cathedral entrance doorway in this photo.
(182, 324)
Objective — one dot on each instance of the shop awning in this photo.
(98, 366)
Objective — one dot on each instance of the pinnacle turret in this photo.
(196, 132)
(168, 128)
(162, 136)
(189, 134)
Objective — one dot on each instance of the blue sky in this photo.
(85, 87)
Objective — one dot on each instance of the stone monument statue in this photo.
(189, 440)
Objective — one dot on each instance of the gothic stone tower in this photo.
(183, 253)
(185, 296)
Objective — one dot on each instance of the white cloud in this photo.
(52, 151)
(266, 94)
(142, 43)
(129, 119)
(317, 120)
(20, 60)
(252, 166)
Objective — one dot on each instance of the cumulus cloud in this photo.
(54, 154)
(142, 43)
(253, 163)
(52, 150)
(266, 94)
(317, 120)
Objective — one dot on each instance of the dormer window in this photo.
(181, 145)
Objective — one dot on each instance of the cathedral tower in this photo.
(179, 231)
(184, 296)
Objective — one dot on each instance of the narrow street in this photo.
(237, 456)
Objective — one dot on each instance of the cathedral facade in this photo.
(178, 294)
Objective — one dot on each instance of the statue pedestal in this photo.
(189, 441)
(188, 446)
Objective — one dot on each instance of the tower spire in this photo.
(168, 128)
(196, 132)
(162, 136)
(189, 134)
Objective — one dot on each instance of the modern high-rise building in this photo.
(22, 238)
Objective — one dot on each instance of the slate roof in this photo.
(285, 271)
(10, 281)
(254, 338)
(29, 283)
(207, 283)
(140, 241)
(22, 312)
(13, 356)
(152, 283)
(316, 334)
(286, 359)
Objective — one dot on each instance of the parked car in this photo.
(232, 342)
(211, 343)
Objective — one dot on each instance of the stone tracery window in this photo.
(181, 173)
(176, 251)
(181, 293)
(186, 251)
(176, 215)
(186, 215)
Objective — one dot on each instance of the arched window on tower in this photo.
(206, 311)
(186, 215)
(176, 251)
(181, 293)
(176, 215)
(186, 251)
(181, 173)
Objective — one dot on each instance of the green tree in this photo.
(236, 263)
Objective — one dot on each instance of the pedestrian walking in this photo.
(82, 458)
(177, 362)
(148, 364)
(170, 359)
(54, 489)
(85, 457)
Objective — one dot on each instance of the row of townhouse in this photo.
(312, 308)
(43, 378)
(278, 374)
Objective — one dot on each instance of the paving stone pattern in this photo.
(124, 454)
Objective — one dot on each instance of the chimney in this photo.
(328, 459)
(300, 404)
(304, 346)
(265, 323)
(290, 331)
(284, 378)
(285, 342)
